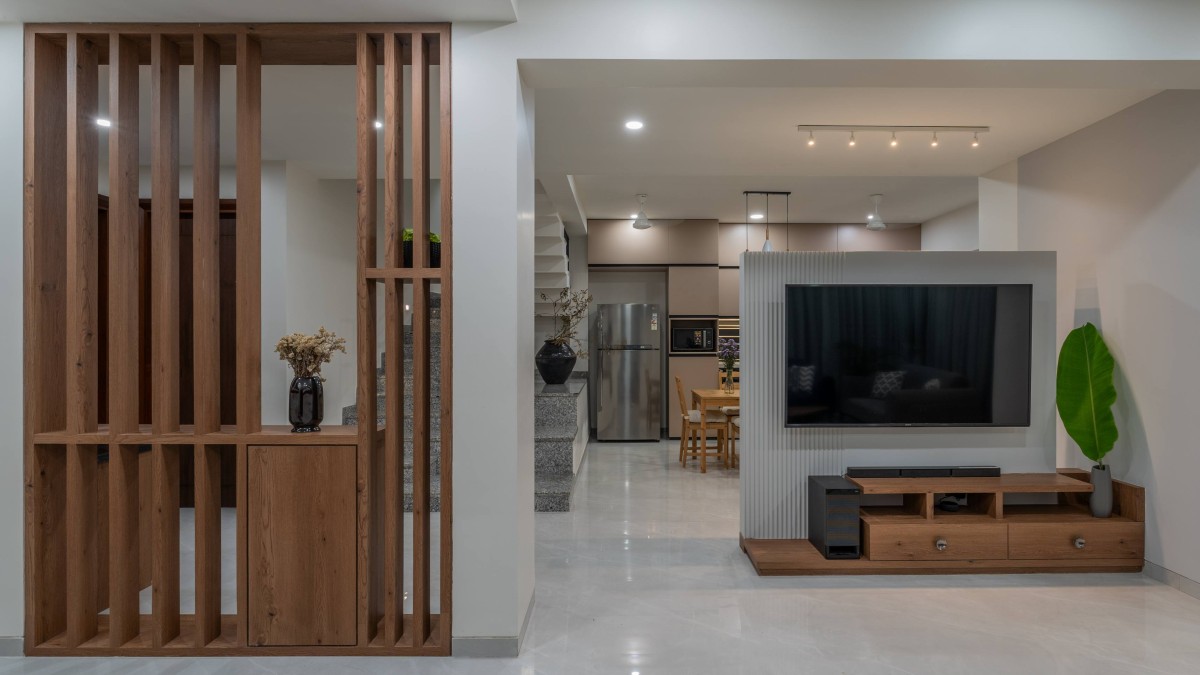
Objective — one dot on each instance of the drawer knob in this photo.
(941, 544)
(1080, 542)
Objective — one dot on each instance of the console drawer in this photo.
(1101, 538)
(918, 541)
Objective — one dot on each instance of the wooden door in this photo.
(302, 550)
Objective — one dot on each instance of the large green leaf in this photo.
(1086, 392)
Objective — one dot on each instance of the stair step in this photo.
(552, 494)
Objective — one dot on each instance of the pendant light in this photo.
(767, 248)
(874, 222)
(641, 222)
(766, 215)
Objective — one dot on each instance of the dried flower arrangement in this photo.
(570, 308)
(306, 353)
(728, 351)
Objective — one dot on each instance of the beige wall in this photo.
(1119, 202)
(957, 230)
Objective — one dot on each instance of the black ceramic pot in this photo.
(435, 254)
(555, 361)
(306, 404)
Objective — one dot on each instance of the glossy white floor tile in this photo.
(645, 576)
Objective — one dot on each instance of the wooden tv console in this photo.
(988, 536)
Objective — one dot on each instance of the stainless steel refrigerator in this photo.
(627, 372)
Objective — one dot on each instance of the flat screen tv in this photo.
(908, 356)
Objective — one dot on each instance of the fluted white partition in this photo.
(775, 461)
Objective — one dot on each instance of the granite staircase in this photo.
(350, 412)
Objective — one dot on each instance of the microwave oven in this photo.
(694, 336)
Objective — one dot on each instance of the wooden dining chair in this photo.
(691, 443)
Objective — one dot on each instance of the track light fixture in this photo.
(855, 129)
(640, 221)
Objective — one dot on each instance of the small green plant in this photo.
(407, 235)
(1086, 392)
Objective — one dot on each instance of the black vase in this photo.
(306, 404)
(435, 254)
(555, 361)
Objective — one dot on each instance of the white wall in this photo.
(12, 588)
(1119, 202)
(998, 204)
(957, 230)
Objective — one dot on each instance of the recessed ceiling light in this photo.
(756, 216)
(378, 124)
(101, 122)
(634, 125)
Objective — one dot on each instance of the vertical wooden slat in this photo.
(242, 575)
(44, 346)
(249, 236)
(165, 543)
(420, 149)
(164, 239)
(420, 323)
(123, 339)
(206, 323)
(82, 247)
(82, 575)
(208, 543)
(446, 375)
(393, 480)
(370, 564)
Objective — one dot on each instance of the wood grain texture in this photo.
(1005, 483)
(164, 226)
(301, 551)
(421, 473)
(165, 543)
(393, 472)
(44, 340)
(206, 277)
(973, 541)
(370, 487)
(82, 530)
(249, 234)
(242, 575)
(1101, 538)
(446, 530)
(82, 282)
(393, 147)
(124, 546)
(419, 122)
(208, 544)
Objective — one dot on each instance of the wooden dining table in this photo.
(712, 399)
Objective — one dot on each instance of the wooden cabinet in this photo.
(812, 237)
(935, 541)
(729, 284)
(697, 372)
(1093, 538)
(615, 242)
(692, 291)
(691, 242)
(895, 238)
(302, 548)
(733, 239)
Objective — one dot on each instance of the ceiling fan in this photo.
(874, 222)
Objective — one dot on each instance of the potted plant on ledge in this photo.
(556, 359)
(1085, 398)
(435, 248)
(306, 396)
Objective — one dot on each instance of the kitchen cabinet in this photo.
(895, 238)
(692, 291)
(302, 545)
(734, 238)
(615, 242)
(692, 242)
(729, 285)
(812, 237)
(696, 372)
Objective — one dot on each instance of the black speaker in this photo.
(833, 526)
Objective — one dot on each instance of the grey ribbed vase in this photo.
(1101, 500)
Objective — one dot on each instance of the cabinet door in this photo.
(692, 242)
(895, 238)
(728, 301)
(692, 291)
(302, 548)
(812, 237)
(615, 242)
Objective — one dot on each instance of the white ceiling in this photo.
(257, 10)
(814, 199)
(702, 146)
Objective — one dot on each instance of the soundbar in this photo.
(922, 471)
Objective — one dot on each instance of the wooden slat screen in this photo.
(103, 504)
